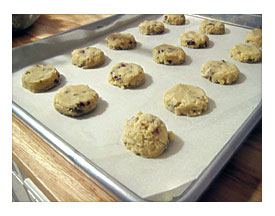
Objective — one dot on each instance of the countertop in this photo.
(60, 180)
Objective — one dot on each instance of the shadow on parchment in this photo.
(173, 148)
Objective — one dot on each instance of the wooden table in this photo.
(60, 180)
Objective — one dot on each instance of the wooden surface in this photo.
(59, 180)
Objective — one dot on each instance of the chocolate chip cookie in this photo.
(126, 75)
(146, 135)
(75, 100)
(246, 53)
(151, 27)
(212, 27)
(186, 100)
(121, 41)
(88, 57)
(168, 54)
(174, 19)
(192, 39)
(254, 37)
(40, 78)
(222, 72)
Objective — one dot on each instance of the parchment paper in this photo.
(98, 134)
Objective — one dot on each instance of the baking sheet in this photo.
(98, 135)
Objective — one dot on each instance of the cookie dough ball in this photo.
(75, 100)
(212, 27)
(88, 57)
(151, 27)
(254, 37)
(174, 19)
(40, 78)
(121, 41)
(192, 39)
(126, 75)
(186, 100)
(246, 53)
(146, 135)
(168, 54)
(222, 72)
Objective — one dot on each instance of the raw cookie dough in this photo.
(126, 75)
(192, 39)
(88, 57)
(40, 78)
(212, 27)
(254, 37)
(151, 27)
(222, 72)
(121, 41)
(168, 54)
(75, 100)
(185, 99)
(246, 53)
(146, 135)
(174, 19)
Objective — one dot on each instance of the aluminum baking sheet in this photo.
(97, 136)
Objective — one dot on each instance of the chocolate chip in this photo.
(75, 94)
(88, 103)
(159, 51)
(156, 130)
(28, 72)
(117, 78)
(138, 154)
(40, 81)
(81, 51)
(169, 61)
(56, 81)
(81, 104)
(190, 42)
(66, 92)
(123, 65)
(130, 42)
(165, 17)
(75, 110)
